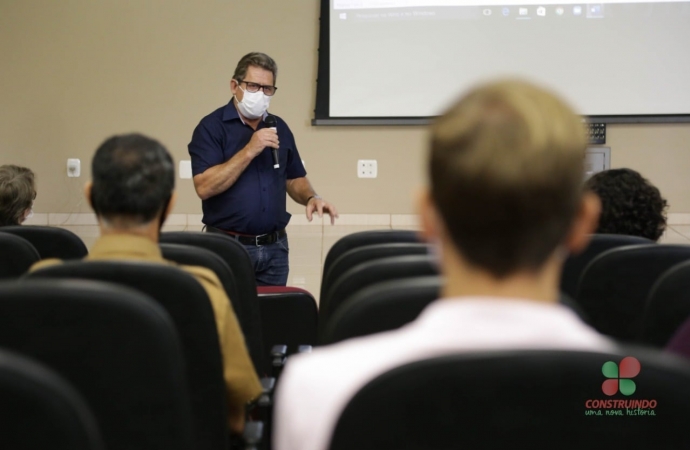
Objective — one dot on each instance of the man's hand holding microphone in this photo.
(265, 138)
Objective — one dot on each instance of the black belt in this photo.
(262, 239)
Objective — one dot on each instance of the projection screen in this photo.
(401, 61)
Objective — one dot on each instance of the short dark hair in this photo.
(133, 178)
(630, 204)
(506, 173)
(258, 60)
(17, 193)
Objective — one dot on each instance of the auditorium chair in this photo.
(289, 318)
(17, 255)
(236, 257)
(117, 347)
(366, 253)
(575, 264)
(368, 273)
(536, 399)
(668, 306)
(363, 238)
(383, 306)
(39, 410)
(187, 303)
(614, 287)
(197, 256)
(51, 242)
(388, 305)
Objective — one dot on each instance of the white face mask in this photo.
(253, 104)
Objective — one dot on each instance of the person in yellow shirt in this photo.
(132, 193)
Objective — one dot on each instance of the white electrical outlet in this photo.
(367, 168)
(73, 167)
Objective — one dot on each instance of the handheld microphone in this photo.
(271, 122)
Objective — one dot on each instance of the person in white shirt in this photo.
(505, 205)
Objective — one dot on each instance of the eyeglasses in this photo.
(253, 87)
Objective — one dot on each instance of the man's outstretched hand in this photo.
(320, 206)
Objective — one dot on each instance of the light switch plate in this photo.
(185, 169)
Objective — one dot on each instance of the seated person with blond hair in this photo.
(505, 205)
(17, 194)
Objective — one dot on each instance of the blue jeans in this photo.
(271, 264)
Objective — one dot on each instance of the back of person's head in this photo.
(133, 178)
(506, 172)
(17, 193)
(630, 204)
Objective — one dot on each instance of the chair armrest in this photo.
(259, 413)
(267, 386)
(278, 350)
(252, 435)
(264, 401)
(278, 356)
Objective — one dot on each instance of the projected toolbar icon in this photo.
(577, 10)
(487, 12)
(560, 11)
(505, 11)
(595, 11)
(541, 11)
(523, 11)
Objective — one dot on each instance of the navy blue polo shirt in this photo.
(256, 203)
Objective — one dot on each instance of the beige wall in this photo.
(74, 72)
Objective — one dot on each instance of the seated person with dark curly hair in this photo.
(630, 204)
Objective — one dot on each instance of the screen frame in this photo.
(322, 107)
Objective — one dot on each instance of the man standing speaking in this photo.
(244, 161)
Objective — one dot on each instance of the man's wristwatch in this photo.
(318, 197)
